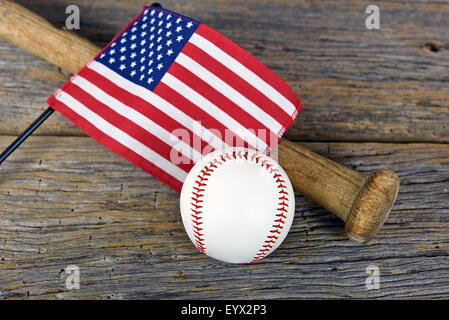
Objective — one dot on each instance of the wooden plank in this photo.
(69, 201)
(356, 84)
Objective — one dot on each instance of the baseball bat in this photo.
(363, 202)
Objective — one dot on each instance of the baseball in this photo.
(237, 205)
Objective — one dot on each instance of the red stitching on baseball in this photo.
(202, 182)
(283, 205)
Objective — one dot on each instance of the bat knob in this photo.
(372, 205)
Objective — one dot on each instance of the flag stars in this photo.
(148, 47)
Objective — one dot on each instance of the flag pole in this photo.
(13, 146)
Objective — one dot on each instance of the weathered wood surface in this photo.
(67, 200)
(357, 84)
(79, 204)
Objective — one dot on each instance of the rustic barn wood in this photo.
(67, 200)
(382, 85)
(78, 203)
(363, 202)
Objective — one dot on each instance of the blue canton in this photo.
(144, 51)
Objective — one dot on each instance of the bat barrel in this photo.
(35, 34)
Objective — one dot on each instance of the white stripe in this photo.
(121, 136)
(155, 100)
(137, 118)
(214, 111)
(229, 92)
(243, 72)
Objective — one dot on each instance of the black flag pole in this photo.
(20, 139)
(13, 146)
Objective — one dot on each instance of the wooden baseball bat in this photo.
(363, 202)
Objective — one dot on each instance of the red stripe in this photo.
(142, 106)
(127, 126)
(221, 101)
(207, 121)
(248, 61)
(236, 82)
(115, 146)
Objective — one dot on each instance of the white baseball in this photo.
(237, 205)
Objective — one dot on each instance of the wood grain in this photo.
(81, 204)
(363, 202)
(67, 200)
(355, 84)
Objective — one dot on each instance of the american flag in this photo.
(169, 89)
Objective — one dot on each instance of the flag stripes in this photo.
(120, 137)
(169, 89)
(218, 47)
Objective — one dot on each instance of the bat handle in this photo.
(364, 203)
